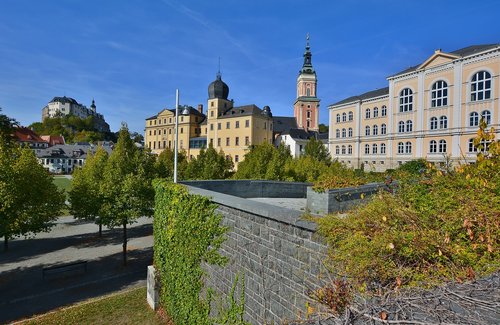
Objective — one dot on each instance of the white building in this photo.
(63, 159)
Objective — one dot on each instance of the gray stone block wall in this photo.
(279, 254)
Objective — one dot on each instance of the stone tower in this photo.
(306, 107)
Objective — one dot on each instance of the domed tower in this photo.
(217, 97)
(92, 106)
(306, 106)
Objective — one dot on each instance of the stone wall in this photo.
(279, 255)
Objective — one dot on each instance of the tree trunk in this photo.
(6, 243)
(124, 243)
(100, 230)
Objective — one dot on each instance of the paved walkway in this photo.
(23, 290)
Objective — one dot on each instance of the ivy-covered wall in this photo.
(278, 253)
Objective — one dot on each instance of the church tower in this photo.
(306, 107)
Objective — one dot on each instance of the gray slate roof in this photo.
(69, 151)
(241, 111)
(367, 95)
(283, 123)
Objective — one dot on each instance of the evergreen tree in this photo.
(164, 164)
(210, 164)
(317, 150)
(7, 125)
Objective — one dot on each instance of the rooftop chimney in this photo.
(200, 108)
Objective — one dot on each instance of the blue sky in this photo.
(132, 55)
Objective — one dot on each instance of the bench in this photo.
(64, 268)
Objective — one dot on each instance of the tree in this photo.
(85, 195)
(209, 164)
(264, 161)
(164, 164)
(323, 128)
(7, 125)
(29, 200)
(126, 186)
(317, 150)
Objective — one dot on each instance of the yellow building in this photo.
(429, 111)
(228, 128)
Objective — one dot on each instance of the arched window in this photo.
(384, 111)
(382, 148)
(409, 126)
(337, 133)
(439, 94)
(443, 122)
(408, 147)
(344, 117)
(406, 100)
(351, 116)
(433, 146)
(442, 146)
(367, 130)
(375, 130)
(401, 147)
(343, 150)
(338, 118)
(349, 132)
(308, 92)
(367, 113)
(367, 149)
(434, 123)
(401, 126)
(480, 86)
(473, 119)
(349, 149)
(375, 112)
(374, 149)
(486, 116)
(383, 129)
(337, 150)
(343, 133)
(472, 147)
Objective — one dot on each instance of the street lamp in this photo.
(185, 111)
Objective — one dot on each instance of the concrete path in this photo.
(24, 291)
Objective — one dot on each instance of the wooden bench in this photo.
(64, 268)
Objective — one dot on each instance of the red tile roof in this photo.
(24, 135)
(52, 140)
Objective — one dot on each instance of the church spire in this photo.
(307, 66)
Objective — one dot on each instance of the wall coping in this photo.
(268, 211)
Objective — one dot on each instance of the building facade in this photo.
(224, 126)
(64, 159)
(431, 111)
(306, 106)
(68, 106)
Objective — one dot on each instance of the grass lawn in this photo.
(63, 183)
(128, 307)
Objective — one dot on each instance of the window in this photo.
(409, 126)
(228, 125)
(237, 124)
(236, 158)
(149, 132)
(383, 129)
(401, 147)
(434, 123)
(182, 130)
(337, 150)
(337, 133)
(219, 126)
(408, 147)
(349, 149)
(406, 100)
(480, 86)
(351, 116)
(308, 123)
(367, 149)
(308, 114)
(182, 118)
(218, 142)
(474, 119)
(344, 117)
(343, 150)
(375, 112)
(349, 132)
(374, 149)
(367, 113)
(382, 148)
(338, 118)
(486, 116)
(247, 123)
(384, 111)
(367, 130)
(227, 142)
(154, 132)
(439, 94)
(433, 146)
(237, 141)
(442, 146)
(401, 126)
(375, 130)
(343, 133)
(443, 122)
